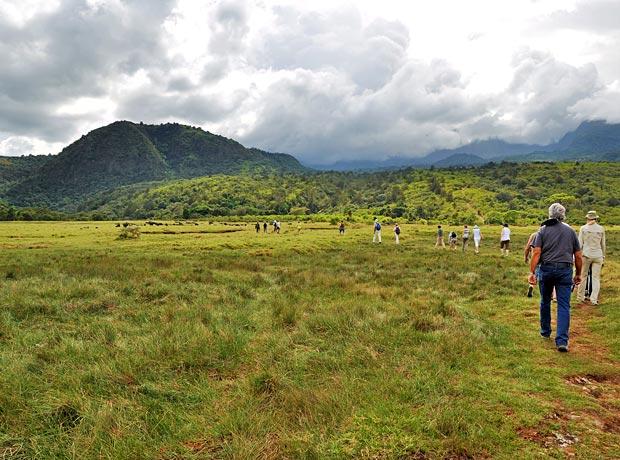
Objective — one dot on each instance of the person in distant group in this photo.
(341, 228)
(477, 238)
(556, 248)
(397, 233)
(592, 241)
(265, 227)
(376, 237)
(257, 226)
(453, 239)
(440, 237)
(504, 240)
(465, 237)
(278, 226)
(275, 226)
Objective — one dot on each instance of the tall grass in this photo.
(309, 345)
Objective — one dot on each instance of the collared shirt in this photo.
(592, 241)
(557, 242)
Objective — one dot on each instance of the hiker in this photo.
(556, 246)
(341, 228)
(592, 241)
(397, 233)
(257, 226)
(504, 240)
(275, 226)
(377, 231)
(465, 237)
(440, 237)
(278, 227)
(477, 238)
(265, 227)
(453, 239)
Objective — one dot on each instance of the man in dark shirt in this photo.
(556, 246)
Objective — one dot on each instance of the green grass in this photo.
(298, 345)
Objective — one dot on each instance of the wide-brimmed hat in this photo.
(592, 215)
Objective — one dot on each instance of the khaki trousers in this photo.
(597, 264)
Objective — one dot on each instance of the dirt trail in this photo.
(601, 421)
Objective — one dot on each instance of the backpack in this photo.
(397, 230)
(377, 226)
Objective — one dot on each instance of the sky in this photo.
(324, 80)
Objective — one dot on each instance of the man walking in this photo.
(555, 247)
(465, 237)
(477, 238)
(504, 240)
(397, 233)
(376, 237)
(440, 237)
(592, 241)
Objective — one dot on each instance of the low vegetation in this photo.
(213, 341)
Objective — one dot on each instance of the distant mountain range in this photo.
(124, 153)
(591, 141)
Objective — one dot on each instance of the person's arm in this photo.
(578, 264)
(526, 250)
(603, 247)
(580, 238)
(533, 263)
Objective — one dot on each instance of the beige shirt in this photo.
(592, 241)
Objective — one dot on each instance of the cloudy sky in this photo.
(324, 80)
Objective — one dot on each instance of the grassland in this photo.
(204, 342)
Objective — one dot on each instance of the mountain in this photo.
(460, 159)
(592, 141)
(124, 153)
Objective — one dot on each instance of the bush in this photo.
(129, 232)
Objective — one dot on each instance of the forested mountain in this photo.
(508, 192)
(129, 170)
(125, 153)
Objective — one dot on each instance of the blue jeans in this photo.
(562, 280)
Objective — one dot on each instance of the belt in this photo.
(557, 264)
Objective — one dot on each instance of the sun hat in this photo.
(592, 215)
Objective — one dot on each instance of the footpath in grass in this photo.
(202, 342)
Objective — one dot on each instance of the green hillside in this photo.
(124, 153)
(515, 193)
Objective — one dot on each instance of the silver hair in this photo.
(557, 211)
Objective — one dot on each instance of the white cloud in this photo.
(324, 80)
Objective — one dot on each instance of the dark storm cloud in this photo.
(73, 51)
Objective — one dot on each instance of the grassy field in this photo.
(210, 341)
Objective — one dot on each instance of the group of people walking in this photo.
(475, 234)
(556, 249)
(552, 252)
(376, 237)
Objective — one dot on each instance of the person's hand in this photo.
(577, 280)
(531, 279)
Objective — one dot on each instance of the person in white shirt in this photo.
(592, 242)
(504, 241)
(477, 238)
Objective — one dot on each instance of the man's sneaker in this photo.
(563, 348)
(545, 336)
